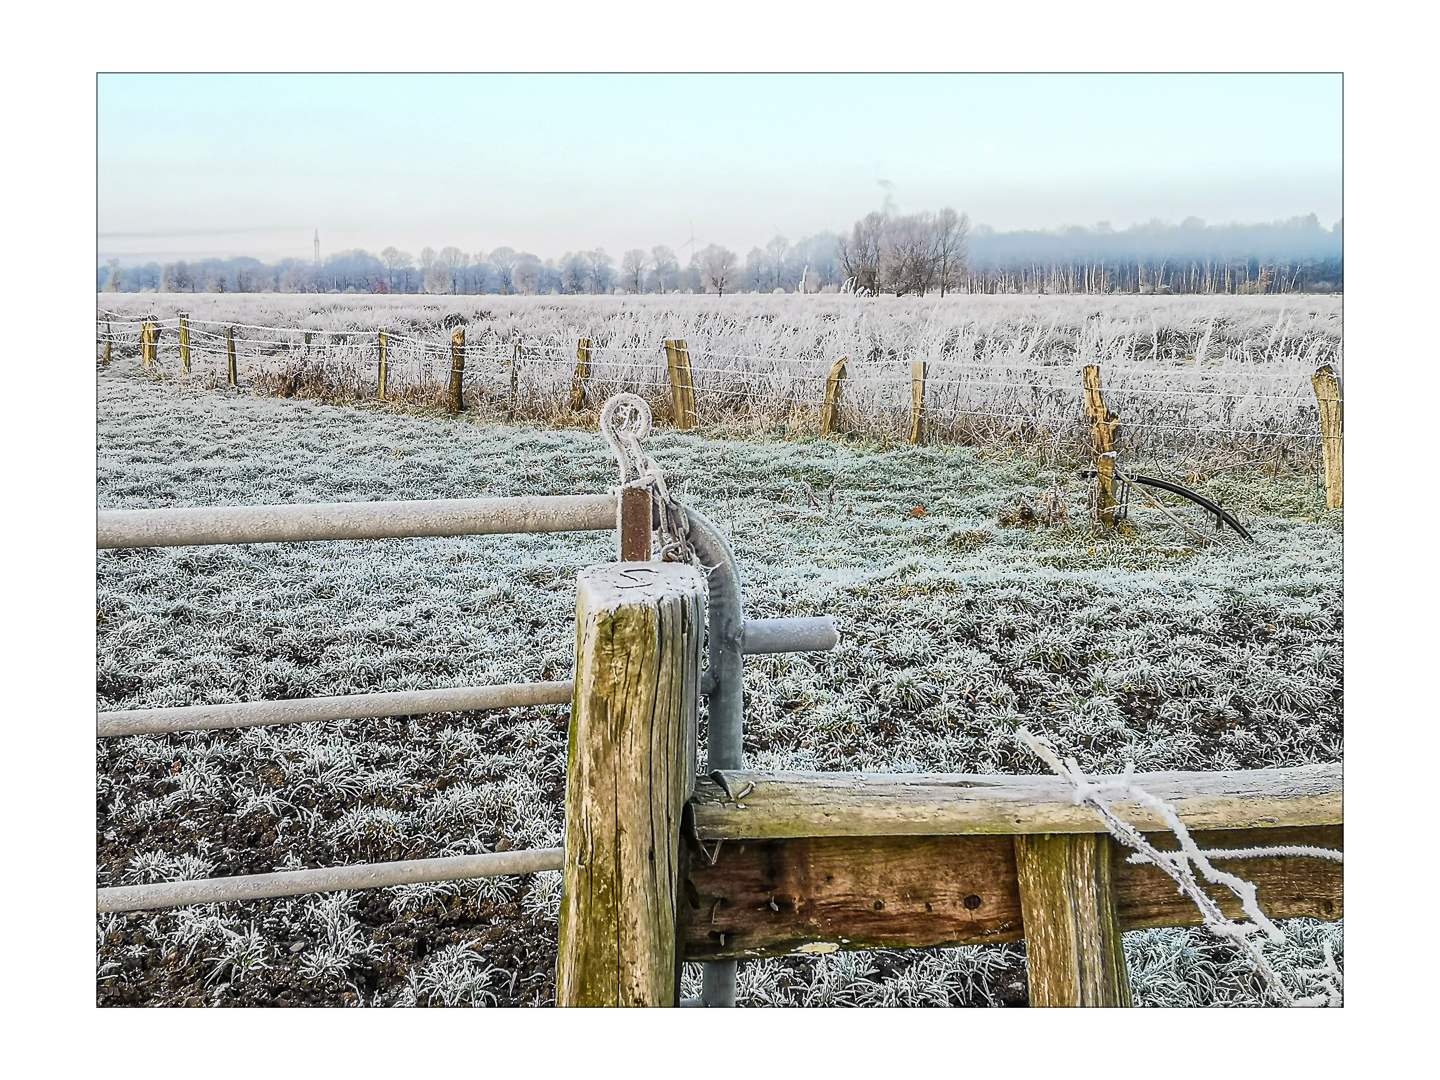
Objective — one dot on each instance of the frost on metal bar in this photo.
(789, 635)
(177, 526)
(331, 879)
(346, 707)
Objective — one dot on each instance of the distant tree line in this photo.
(884, 252)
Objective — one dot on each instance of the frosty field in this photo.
(956, 630)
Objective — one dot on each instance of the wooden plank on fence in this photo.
(582, 375)
(231, 369)
(1073, 943)
(384, 344)
(1332, 434)
(774, 897)
(917, 402)
(184, 343)
(639, 628)
(834, 383)
(457, 371)
(789, 804)
(682, 383)
(149, 342)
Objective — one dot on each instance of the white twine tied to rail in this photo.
(1100, 793)
(625, 419)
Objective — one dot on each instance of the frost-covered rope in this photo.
(1101, 794)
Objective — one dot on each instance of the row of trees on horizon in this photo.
(884, 253)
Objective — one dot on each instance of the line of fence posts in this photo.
(582, 375)
(1332, 440)
(682, 383)
(1105, 425)
(834, 383)
(184, 343)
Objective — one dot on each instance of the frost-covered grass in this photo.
(956, 630)
(1214, 371)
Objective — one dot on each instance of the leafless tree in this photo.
(632, 270)
(456, 260)
(860, 252)
(502, 260)
(906, 256)
(952, 236)
(667, 267)
(718, 267)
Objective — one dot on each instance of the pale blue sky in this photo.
(194, 165)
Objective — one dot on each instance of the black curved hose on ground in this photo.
(1184, 492)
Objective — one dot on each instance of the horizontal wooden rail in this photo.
(345, 707)
(820, 894)
(798, 804)
(168, 894)
(176, 526)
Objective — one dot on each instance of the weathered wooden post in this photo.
(230, 356)
(630, 770)
(184, 343)
(682, 383)
(384, 363)
(514, 380)
(109, 336)
(635, 524)
(457, 371)
(582, 375)
(149, 342)
(1332, 434)
(834, 383)
(1106, 428)
(917, 402)
(1073, 943)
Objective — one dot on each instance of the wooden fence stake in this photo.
(108, 337)
(582, 375)
(834, 383)
(631, 768)
(635, 524)
(184, 343)
(384, 363)
(1332, 434)
(1073, 942)
(682, 383)
(230, 356)
(917, 402)
(149, 342)
(1106, 428)
(457, 371)
(514, 380)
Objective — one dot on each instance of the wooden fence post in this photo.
(184, 343)
(635, 524)
(1332, 434)
(515, 355)
(457, 371)
(384, 363)
(1106, 428)
(230, 356)
(149, 342)
(109, 336)
(582, 375)
(630, 770)
(1073, 943)
(834, 383)
(682, 383)
(917, 402)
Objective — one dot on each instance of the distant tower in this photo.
(317, 247)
